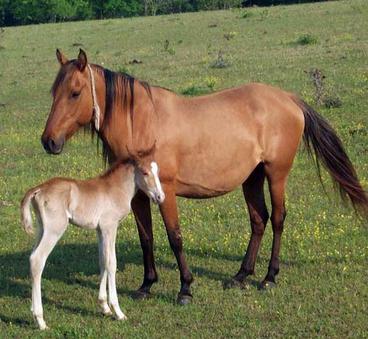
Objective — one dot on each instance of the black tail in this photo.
(320, 137)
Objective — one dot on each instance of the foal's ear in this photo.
(82, 60)
(61, 57)
(152, 150)
(131, 154)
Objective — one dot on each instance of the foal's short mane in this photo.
(118, 85)
(115, 167)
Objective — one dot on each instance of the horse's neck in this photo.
(125, 128)
(115, 132)
(122, 179)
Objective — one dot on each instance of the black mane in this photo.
(116, 84)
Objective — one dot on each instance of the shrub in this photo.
(306, 39)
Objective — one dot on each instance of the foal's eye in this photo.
(75, 94)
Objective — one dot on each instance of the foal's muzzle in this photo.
(158, 198)
(53, 146)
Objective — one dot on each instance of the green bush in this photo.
(306, 39)
(218, 4)
(21, 12)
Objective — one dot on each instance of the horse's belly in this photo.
(206, 177)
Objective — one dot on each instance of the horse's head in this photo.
(146, 173)
(73, 102)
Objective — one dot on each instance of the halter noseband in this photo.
(96, 107)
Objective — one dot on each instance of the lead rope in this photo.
(96, 107)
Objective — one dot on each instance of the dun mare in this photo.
(98, 204)
(206, 146)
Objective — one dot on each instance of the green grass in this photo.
(322, 288)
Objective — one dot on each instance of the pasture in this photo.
(323, 284)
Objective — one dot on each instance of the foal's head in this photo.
(72, 105)
(146, 173)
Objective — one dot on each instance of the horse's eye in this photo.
(75, 94)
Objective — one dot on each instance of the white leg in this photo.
(102, 295)
(37, 262)
(109, 237)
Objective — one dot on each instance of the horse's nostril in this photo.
(44, 144)
(51, 144)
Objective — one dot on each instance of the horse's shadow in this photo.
(68, 262)
(74, 263)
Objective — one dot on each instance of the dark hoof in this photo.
(267, 285)
(141, 295)
(234, 283)
(184, 299)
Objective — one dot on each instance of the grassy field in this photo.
(323, 282)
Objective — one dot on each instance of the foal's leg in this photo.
(51, 234)
(102, 295)
(277, 183)
(169, 213)
(108, 242)
(254, 197)
(142, 212)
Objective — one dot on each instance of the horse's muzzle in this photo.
(158, 198)
(53, 146)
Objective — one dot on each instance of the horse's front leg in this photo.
(169, 213)
(142, 212)
(108, 241)
(102, 294)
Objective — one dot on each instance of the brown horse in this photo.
(206, 146)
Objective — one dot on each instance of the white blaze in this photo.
(154, 169)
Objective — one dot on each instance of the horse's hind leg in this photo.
(254, 197)
(277, 178)
(50, 236)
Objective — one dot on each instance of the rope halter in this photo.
(96, 107)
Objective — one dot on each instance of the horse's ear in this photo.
(82, 60)
(61, 57)
(153, 148)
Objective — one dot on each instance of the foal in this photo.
(98, 203)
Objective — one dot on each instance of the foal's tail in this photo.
(320, 137)
(25, 208)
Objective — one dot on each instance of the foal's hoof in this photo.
(184, 299)
(121, 317)
(141, 295)
(234, 283)
(267, 285)
(43, 327)
(106, 313)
